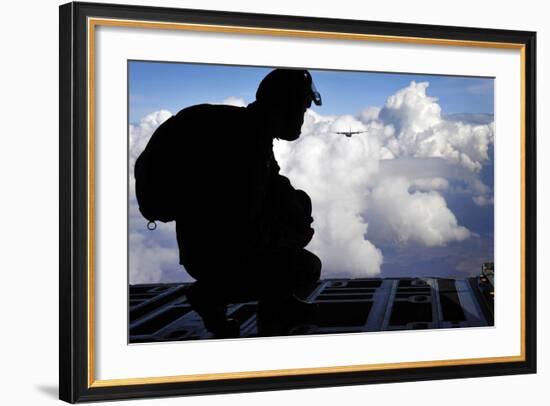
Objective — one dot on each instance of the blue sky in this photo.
(423, 205)
(159, 85)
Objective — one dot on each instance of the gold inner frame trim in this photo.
(94, 22)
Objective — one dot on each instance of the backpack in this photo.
(153, 173)
(195, 167)
(165, 172)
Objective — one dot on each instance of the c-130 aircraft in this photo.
(349, 133)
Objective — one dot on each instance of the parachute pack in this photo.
(186, 163)
(153, 172)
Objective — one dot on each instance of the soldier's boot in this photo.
(213, 314)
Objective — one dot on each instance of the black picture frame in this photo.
(75, 382)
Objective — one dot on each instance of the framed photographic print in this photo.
(254, 202)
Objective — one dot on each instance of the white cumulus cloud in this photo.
(388, 184)
(154, 260)
(411, 124)
(359, 197)
(234, 101)
(420, 216)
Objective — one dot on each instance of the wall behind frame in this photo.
(29, 175)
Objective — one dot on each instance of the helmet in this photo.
(282, 85)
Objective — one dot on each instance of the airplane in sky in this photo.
(349, 133)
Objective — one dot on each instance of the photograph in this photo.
(275, 201)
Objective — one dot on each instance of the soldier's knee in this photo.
(311, 265)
